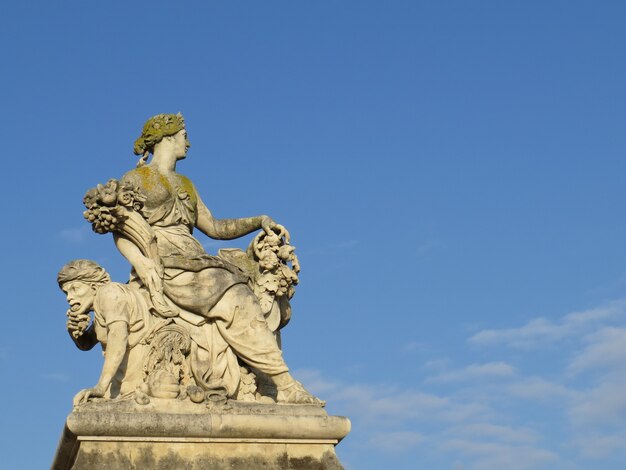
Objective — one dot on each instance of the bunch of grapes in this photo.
(103, 219)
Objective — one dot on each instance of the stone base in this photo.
(170, 434)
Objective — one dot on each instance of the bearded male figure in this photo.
(121, 321)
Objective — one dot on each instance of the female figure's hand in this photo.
(150, 273)
(267, 224)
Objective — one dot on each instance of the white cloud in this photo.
(541, 330)
(398, 420)
(601, 405)
(539, 389)
(598, 446)
(538, 328)
(588, 393)
(75, 235)
(605, 348)
(603, 361)
(492, 455)
(490, 370)
(489, 431)
(389, 404)
(546, 412)
(315, 382)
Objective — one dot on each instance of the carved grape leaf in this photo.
(269, 281)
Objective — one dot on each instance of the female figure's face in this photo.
(181, 144)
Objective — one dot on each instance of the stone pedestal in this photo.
(174, 435)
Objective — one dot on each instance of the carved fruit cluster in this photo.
(104, 205)
(275, 255)
(247, 386)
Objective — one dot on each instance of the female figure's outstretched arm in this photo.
(227, 229)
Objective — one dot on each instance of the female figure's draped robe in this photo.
(195, 282)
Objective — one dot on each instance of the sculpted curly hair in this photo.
(154, 130)
(83, 270)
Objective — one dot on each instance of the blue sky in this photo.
(452, 174)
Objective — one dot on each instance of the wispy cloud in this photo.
(507, 410)
(597, 446)
(490, 370)
(461, 430)
(605, 347)
(493, 455)
(541, 331)
(494, 431)
(588, 392)
(602, 405)
(392, 405)
(602, 361)
(539, 389)
(75, 235)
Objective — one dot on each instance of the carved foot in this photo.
(141, 398)
(296, 394)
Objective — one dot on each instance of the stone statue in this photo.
(193, 373)
(218, 315)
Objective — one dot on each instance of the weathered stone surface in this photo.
(123, 435)
(205, 456)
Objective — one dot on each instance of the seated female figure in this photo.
(192, 281)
